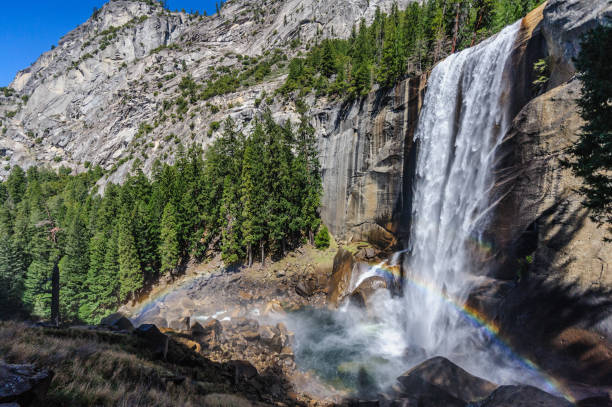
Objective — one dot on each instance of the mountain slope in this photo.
(122, 69)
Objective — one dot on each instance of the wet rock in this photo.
(362, 294)
(340, 279)
(117, 322)
(23, 384)
(523, 396)
(156, 341)
(439, 382)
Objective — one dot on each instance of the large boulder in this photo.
(155, 341)
(340, 280)
(362, 295)
(117, 322)
(523, 396)
(439, 382)
(23, 384)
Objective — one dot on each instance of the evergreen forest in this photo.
(399, 44)
(69, 252)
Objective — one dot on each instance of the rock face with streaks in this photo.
(367, 154)
(539, 223)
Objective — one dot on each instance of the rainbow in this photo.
(478, 320)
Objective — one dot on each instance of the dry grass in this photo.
(94, 368)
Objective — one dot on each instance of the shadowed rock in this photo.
(439, 382)
(23, 384)
(156, 341)
(117, 322)
(523, 396)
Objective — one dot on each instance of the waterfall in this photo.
(462, 123)
(461, 126)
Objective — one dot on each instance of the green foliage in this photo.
(402, 43)
(541, 70)
(247, 196)
(169, 248)
(130, 275)
(592, 154)
(75, 264)
(322, 238)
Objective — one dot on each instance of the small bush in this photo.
(322, 238)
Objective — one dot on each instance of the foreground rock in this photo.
(23, 384)
(156, 341)
(362, 295)
(439, 382)
(340, 280)
(523, 396)
(117, 322)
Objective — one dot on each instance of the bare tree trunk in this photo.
(263, 254)
(55, 291)
(476, 29)
(456, 29)
(311, 237)
(250, 254)
(283, 246)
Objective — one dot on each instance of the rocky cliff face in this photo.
(367, 153)
(539, 214)
(557, 305)
(120, 71)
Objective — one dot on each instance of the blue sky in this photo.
(29, 29)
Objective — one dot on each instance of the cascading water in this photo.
(463, 121)
(461, 125)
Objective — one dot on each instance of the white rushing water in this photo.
(463, 121)
(461, 125)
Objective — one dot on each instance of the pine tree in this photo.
(592, 154)
(254, 193)
(393, 62)
(16, 184)
(109, 296)
(328, 67)
(95, 284)
(169, 250)
(278, 159)
(75, 265)
(130, 276)
(37, 294)
(322, 238)
(11, 269)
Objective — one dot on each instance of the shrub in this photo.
(322, 238)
